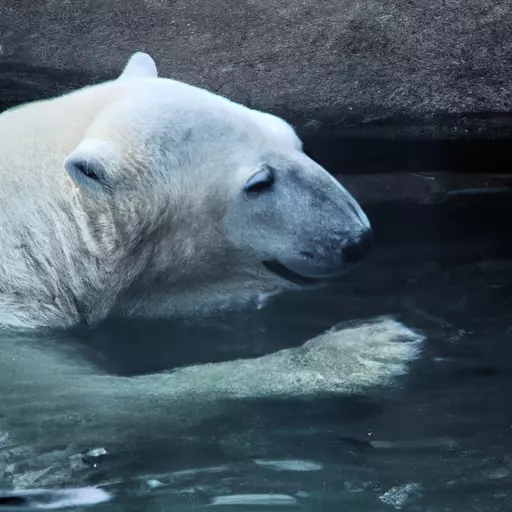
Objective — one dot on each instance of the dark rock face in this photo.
(339, 67)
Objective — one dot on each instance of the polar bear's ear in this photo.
(89, 164)
(140, 65)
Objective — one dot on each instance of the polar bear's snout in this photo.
(358, 247)
(325, 260)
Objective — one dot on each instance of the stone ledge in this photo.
(402, 68)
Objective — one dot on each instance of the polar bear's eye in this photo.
(88, 170)
(260, 182)
(85, 168)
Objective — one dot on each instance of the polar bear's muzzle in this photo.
(311, 269)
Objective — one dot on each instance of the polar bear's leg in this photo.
(73, 406)
(344, 360)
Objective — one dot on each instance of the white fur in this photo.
(167, 229)
(169, 218)
(140, 65)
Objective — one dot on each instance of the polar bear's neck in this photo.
(54, 266)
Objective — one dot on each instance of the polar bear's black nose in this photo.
(358, 247)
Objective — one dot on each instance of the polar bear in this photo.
(147, 196)
(144, 196)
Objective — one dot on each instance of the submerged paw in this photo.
(364, 354)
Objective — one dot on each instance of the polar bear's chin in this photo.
(300, 279)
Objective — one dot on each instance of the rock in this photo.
(335, 68)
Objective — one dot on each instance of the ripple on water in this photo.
(254, 499)
(289, 465)
(49, 499)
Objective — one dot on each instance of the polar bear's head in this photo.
(222, 193)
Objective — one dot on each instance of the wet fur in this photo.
(57, 404)
(66, 258)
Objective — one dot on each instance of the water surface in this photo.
(438, 439)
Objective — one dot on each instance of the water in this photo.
(436, 439)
